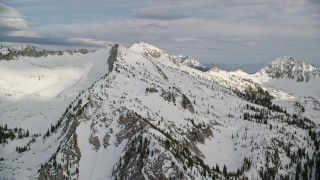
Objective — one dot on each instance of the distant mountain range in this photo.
(140, 113)
(13, 52)
(249, 68)
(288, 67)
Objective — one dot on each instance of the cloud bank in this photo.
(237, 32)
(11, 19)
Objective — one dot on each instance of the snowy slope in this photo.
(290, 75)
(283, 80)
(148, 117)
(34, 94)
(39, 88)
(297, 78)
(151, 51)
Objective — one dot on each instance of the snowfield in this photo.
(37, 90)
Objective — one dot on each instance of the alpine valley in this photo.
(139, 113)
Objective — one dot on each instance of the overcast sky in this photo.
(217, 31)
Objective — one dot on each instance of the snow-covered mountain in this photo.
(288, 92)
(10, 52)
(189, 61)
(293, 76)
(151, 51)
(35, 91)
(290, 68)
(137, 113)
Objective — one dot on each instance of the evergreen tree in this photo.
(225, 173)
(27, 134)
(217, 168)
(48, 133)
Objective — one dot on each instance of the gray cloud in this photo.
(47, 41)
(239, 41)
(6, 11)
(159, 15)
(210, 30)
(34, 40)
(187, 39)
(314, 1)
(203, 48)
(10, 19)
(154, 25)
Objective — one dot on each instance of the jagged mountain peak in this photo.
(290, 62)
(156, 53)
(147, 49)
(291, 68)
(190, 62)
(6, 48)
(283, 59)
(14, 51)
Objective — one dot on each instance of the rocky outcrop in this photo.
(186, 104)
(94, 141)
(113, 56)
(32, 51)
(290, 68)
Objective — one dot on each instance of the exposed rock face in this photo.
(11, 53)
(133, 124)
(193, 63)
(288, 67)
(186, 104)
(94, 141)
(189, 61)
(161, 72)
(113, 56)
(199, 133)
(70, 155)
(169, 96)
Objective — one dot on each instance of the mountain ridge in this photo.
(151, 118)
(154, 52)
(288, 67)
(15, 51)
